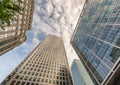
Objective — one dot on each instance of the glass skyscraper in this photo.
(97, 40)
(79, 74)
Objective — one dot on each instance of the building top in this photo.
(45, 65)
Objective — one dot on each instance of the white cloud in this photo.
(58, 17)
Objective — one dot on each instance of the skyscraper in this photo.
(45, 65)
(79, 74)
(14, 34)
(97, 40)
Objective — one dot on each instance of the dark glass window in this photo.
(18, 83)
(23, 83)
(13, 82)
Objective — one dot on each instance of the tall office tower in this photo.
(79, 74)
(14, 34)
(97, 40)
(45, 65)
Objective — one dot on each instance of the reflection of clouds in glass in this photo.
(115, 54)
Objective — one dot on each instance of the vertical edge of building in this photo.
(80, 75)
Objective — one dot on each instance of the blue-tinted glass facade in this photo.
(79, 74)
(97, 37)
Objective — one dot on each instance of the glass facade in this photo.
(97, 37)
(79, 74)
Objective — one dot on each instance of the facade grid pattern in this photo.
(14, 34)
(46, 65)
(97, 37)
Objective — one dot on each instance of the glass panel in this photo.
(97, 37)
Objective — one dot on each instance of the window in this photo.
(32, 84)
(38, 80)
(21, 77)
(28, 83)
(60, 78)
(21, 72)
(46, 80)
(13, 82)
(36, 74)
(53, 81)
(57, 82)
(25, 71)
(42, 80)
(30, 79)
(34, 79)
(64, 83)
(29, 73)
(49, 81)
(32, 73)
(26, 77)
(18, 83)
(61, 83)
(23, 83)
(17, 77)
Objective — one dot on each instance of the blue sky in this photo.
(57, 17)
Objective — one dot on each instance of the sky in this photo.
(57, 17)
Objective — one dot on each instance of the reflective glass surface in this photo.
(97, 37)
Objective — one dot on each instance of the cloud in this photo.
(57, 17)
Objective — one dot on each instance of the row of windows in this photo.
(45, 64)
(92, 43)
(46, 70)
(42, 72)
(109, 33)
(40, 76)
(51, 59)
(45, 67)
(98, 36)
(43, 80)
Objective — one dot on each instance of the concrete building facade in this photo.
(14, 34)
(46, 65)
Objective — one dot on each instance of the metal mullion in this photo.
(103, 41)
(85, 63)
(96, 56)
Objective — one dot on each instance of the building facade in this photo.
(45, 65)
(14, 34)
(97, 40)
(79, 74)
